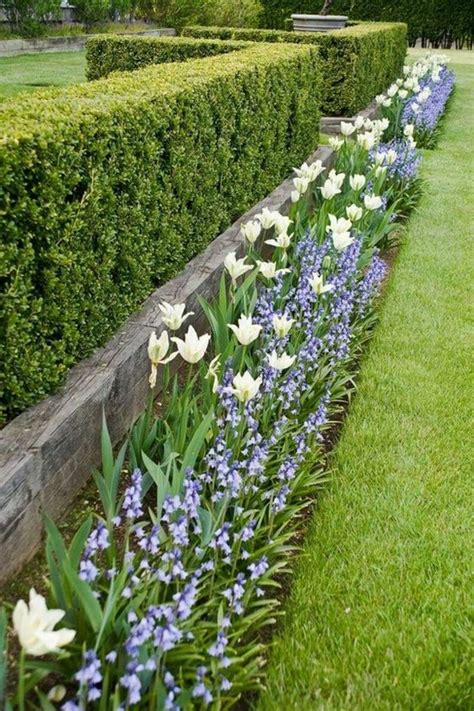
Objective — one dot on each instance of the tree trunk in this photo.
(326, 7)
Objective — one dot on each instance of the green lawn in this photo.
(378, 616)
(29, 72)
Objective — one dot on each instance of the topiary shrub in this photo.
(359, 61)
(108, 188)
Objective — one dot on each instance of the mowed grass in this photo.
(30, 72)
(381, 606)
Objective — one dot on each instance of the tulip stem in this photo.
(21, 681)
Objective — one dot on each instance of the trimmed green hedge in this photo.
(360, 61)
(439, 21)
(106, 54)
(108, 188)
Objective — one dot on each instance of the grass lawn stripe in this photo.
(30, 72)
(379, 612)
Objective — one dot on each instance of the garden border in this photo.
(331, 124)
(47, 452)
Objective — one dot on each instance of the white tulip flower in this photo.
(380, 170)
(409, 130)
(329, 190)
(379, 158)
(282, 325)
(383, 124)
(236, 267)
(372, 202)
(354, 212)
(310, 172)
(402, 93)
(193, 347)
(387, 103)
(347, 129)
(295, 196)
(301, 185)
(336, 143)
(56, 693)
(359, 122)
(390, 156)
(174, 316)
(213, 372)
(337, 178)
(250, 231)
(267, 218)
(380, 98)
(366, 140)
(245, 387)
(157, 350)
(392, 90)
(269, 270)
(368, 124)
(282, 241)
(338, 225)
(318, 286)
(280, 362)
(34, 624)
(246, 331)
(282, 223)
(341, 240)
(357, 181)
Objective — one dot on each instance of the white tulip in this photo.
(390, 156)
(409, 130)
(341, 240)
(57, 693)
(246, 331)
(280, 362)
(213, 372)
(310, 172)
(358, 122)
(380, 170)
(380, 98)
(399, 82)
(337, 178)
(174, 316)
(269, 270)
(301, 185)
(282, 241)
(236, 267)
(372, 202)
(318, 286)
(357, 181)
(379, 158)
(282, 223)
(387, 103)
(347, 129)
(336, 143)
(267, 218)
(295, 196)
(392, 90)
(338, 225)
(245, 387)
(329, 190)
(251, 231)
(402, 93)
(282, 325)
(193, 347)
(34, 624)
(157, 350)
(368, 124)
(354, 212)
(366, 140)
(383, 124)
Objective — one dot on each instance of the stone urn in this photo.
(318, 23)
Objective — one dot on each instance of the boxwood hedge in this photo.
(108, 188)
(106, 54)
(359, 61)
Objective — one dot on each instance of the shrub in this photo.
(359, 61)
(109, 188)
(27, 16)
(439, 21)
(107, 54)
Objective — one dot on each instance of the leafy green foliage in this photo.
(358, 62)
(25, 16)
(440, 21)
(109, 188)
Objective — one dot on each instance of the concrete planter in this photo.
(318, 23)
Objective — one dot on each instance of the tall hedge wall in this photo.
(358, 62)
(106, 53)
(108, 188)
(439, 21)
